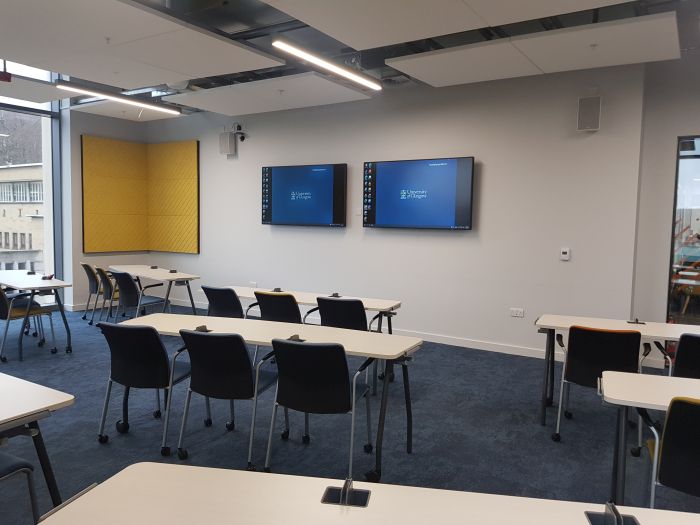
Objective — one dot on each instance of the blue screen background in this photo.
(302, 194)
(419, 194)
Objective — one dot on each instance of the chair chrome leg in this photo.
(654, 469)
(101, 435)
(286, 420)
(252, 422)
(181, 452)
(306, 437)
(231, 424)
(4, 338)
(557, 436)
(102, 310)
(207, 421)
(368, 446)
(352, 428)
(94, 307)
(269, 435)
(87, 306)
(156, 412)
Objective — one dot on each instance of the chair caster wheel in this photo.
(103, 438)
(84, 318)
(156, 414)
(34, 334)
(266, 469)
(122, 428)
(556, 437)
(568, 415)
(230, 425)
(636, 451)
(182, 453)
(207, 422)
(251, 467)
(69, 349)
(26, 332)
(90, 323)
(3, 359)
(373, 476)
(41, 343)
(54, 350)
(285, 435)
(165, 451)
(368, 448)
(306, 439)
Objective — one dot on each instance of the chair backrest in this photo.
(107, 286)
(342, 313)
(223, 302)
(312, 377)
(221, 366)
(128, 289)
(278, 306)
(93, 284)
(687, 363)
(591, 351)
(679, 455)
(139, 358)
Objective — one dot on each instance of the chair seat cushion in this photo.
(10, 464)
(18, 313)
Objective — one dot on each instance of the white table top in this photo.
(309, 298)
(689, 274)
(646, 391)
(650, 331)
(21, 398)
(366, 344)
(20, 280)
(164, 494)
(155, 274)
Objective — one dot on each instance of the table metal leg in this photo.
(388, 324)
(376, 474)
(189, 291)
(62, 311)
(167, 296)
(45, 464)
(25, 320)
(548, 376)
(617, 492)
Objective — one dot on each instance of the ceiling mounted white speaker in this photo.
(227, 143)
(588, 114)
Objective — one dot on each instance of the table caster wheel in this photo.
(165, 451)
(230, 425)
(156, 414)
(636, 451)
(285, 435)
(182, 453)
(122, 428)
(69, 349)
(54, 350)
(250, 467)
(103, 438)
(306, 439)
(568, 415)
(41, 343)
(207, 422)
(368, 448)
(556, 437)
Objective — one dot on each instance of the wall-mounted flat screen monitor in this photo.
(429, 193)
(311, 195)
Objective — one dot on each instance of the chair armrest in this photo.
(249, 308)
(647, 349)
(19, 296)
(151, 286)
(364, 365)
(377, 316)
(644, 414)
(560, 341)
(661, 349)
(309, 313)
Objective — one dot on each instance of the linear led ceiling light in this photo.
(116, 98)
(320, 62)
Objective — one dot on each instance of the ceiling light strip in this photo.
(320, 62)
(116, 98)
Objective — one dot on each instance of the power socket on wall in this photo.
(517, 312)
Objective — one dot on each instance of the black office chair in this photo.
(14, 307)
(138, 360)
(221, 369)
(109, 293)
(342, 313)
(93, 287)
(132, 295)
(590, 352)
(223, 302)
(11, 466)
(313, 378)
(277, 306)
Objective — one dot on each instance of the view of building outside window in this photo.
(26, 241)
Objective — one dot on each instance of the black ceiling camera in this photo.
(239, 133)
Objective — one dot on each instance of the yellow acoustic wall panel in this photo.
(173, 196)
(139, 197)
(115, 203)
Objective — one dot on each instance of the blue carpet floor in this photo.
(475, 429)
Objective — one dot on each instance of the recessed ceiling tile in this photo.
(629, 41)
(31, 90)
(502, 12)
(466, 64)
(365, 24)
(274, 94)
(108, 108)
